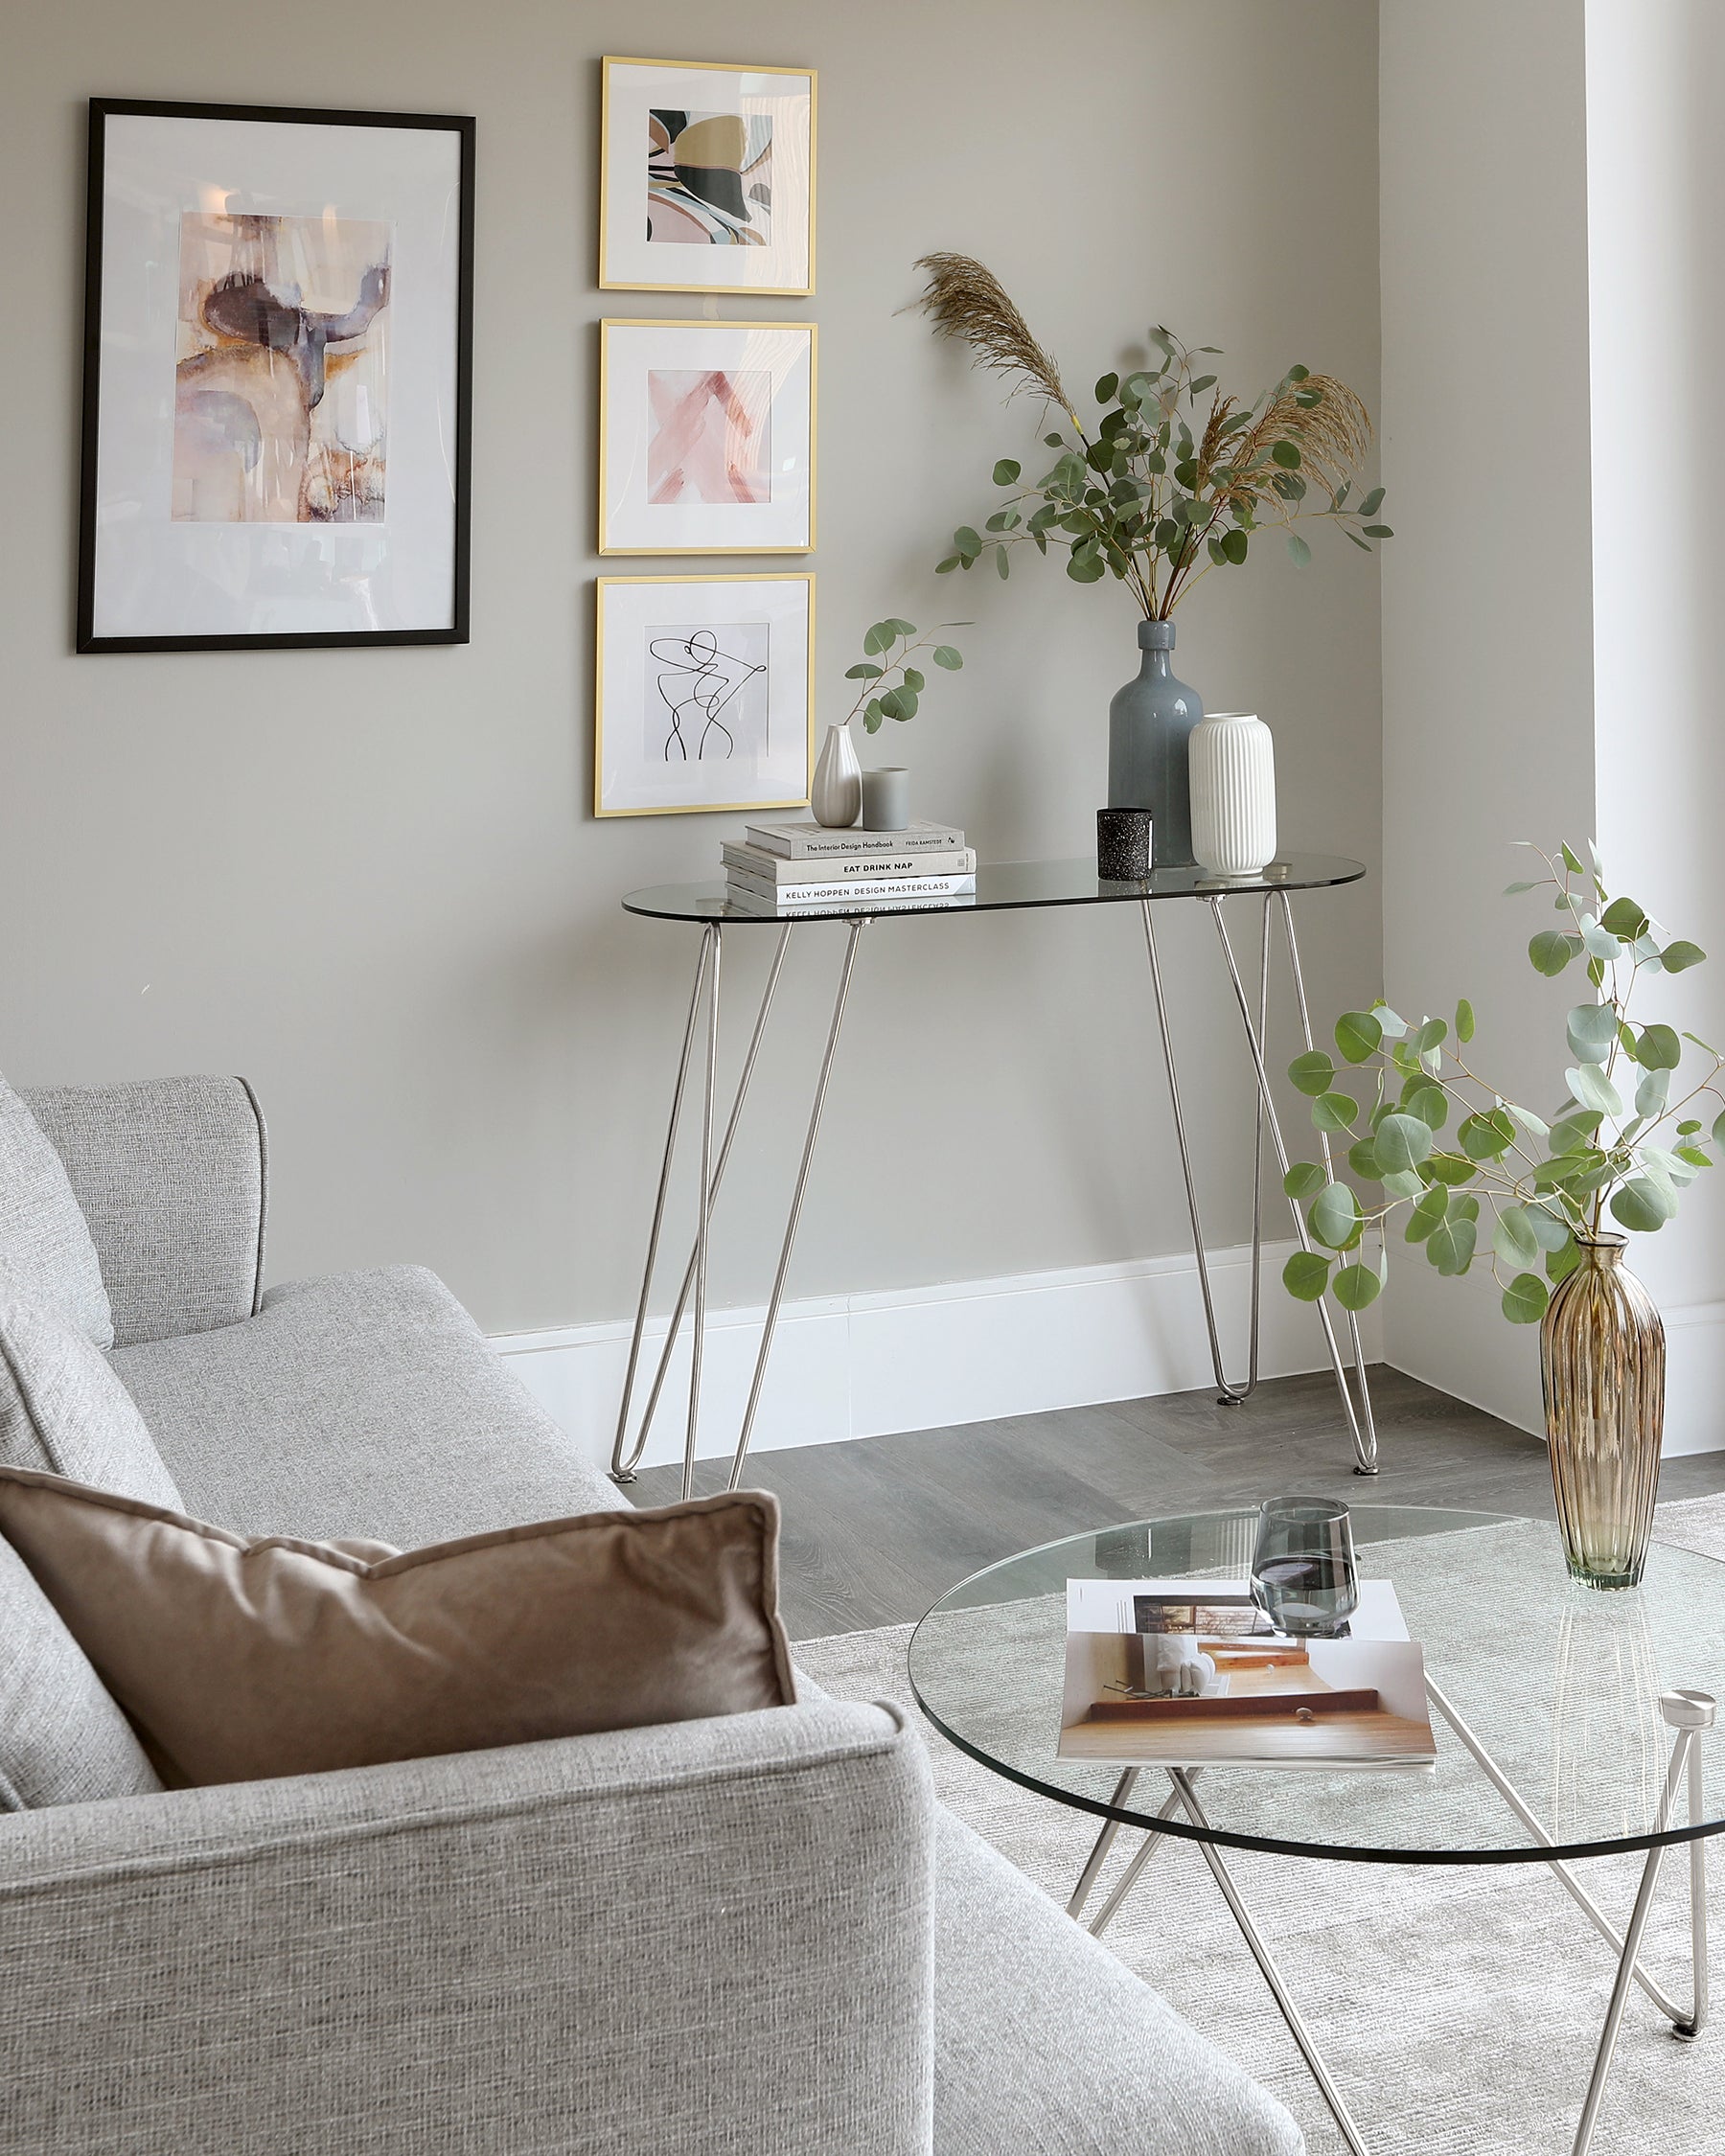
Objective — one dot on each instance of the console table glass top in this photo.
(1559, 1684)
(1002, 885)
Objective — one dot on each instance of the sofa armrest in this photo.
(698, 1939)
(170, 1177)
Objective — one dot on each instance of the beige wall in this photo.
(1487, 609)
(370, 879)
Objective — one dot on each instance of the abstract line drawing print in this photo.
(712, 692)
(710, 180)
(281, 368)
(710, 436)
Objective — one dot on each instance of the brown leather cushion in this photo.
(237, 1659)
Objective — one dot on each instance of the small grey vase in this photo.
(836, 793)
(1150, 724)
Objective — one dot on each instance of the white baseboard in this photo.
(1694, 1419)
(921, 1358)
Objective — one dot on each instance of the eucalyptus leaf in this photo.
(1591, 1029)
(1551, 949)
(1450, 1246)
(943, 654)
(1659, 1048)
(1549, 1231)
(1524, 1300)
(1431, 1035)
(1529, 1121)
(1428, 1211)
(1334, 1111)
(1334, 1217)
(1485, 1137)
(1404, 1182)
(1514, 1238)
(1392, 1027)
(1642, 1207)
(1301, 554)
(1312, 1073)
(1594, 1090)
(1600, 942)
(1303, 1179)
(1306, 1275)
(1006, 472)
(1403, 1142)
(1623, 917)
(1357, 1285)
(1677, 957)
(1464, 1021)
(1652, 1094)
(1358, 1035)
(1452, 1168)
(1363, 1159)
(1561, 1263)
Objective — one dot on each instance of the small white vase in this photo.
(1234, 793)
(837, 794)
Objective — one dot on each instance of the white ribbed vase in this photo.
(1234, 793)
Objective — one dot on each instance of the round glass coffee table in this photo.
(1569, 1724)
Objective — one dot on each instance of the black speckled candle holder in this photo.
(1122, 845)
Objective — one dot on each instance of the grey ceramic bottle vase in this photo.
(1150, 722)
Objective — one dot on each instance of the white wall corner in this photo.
(925, 1358)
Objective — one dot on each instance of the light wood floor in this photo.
(877, 1529)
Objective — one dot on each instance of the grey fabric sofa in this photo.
(753, 1937)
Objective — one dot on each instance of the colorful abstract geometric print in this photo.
(710, 180)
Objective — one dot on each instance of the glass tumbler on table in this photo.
(1305, 1576)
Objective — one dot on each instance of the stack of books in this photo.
(796, 869)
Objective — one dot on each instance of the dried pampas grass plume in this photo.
(966, 300)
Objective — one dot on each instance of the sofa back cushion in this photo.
(62, 1740)
(44, 1239)
(237, 1659)
(62, 1409)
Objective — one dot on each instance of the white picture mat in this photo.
(633, 777)
(629, 260)
(158, 577)
(629, 522)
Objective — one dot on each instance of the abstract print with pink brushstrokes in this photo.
(709, 435)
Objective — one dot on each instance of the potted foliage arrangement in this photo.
(1174, 478)
(892, 687)
(1535, 1196)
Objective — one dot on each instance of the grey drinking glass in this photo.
(1305, 1576)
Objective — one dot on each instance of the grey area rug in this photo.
(1458, 2008)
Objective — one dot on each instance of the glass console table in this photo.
(1569, 1725)
(1004, 887)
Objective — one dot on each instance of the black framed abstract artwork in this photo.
(704, 694)
(278, 341)
(707, 178)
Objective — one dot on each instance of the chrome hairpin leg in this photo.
(1688, 1713)
(857, 926)
(1229, 1394)
(1104, 1842)
(622, 1470)
(703, 1219)
(1260, 1954)
(1286, 904)
(1685, 2023)
(622, 1467)
(1365, 1441)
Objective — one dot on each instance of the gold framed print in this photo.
(703, 694)
(706, 437)
(706, 177)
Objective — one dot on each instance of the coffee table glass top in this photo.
(1002, 885)
(1559, 1684)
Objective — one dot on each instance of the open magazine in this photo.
(1190, 1673)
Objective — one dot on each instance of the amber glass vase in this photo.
(1601, 1354)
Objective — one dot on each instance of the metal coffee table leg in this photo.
(1260, 1954)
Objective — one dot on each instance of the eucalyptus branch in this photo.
(1600, 1156)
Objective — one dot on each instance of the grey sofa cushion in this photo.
(62, 1740)
(62, 1410)
(1044, 2040)
(43, 1236)
(366, 1404)
(170, 1174)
